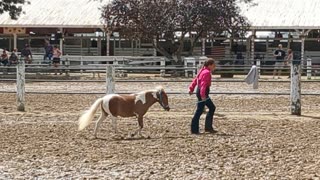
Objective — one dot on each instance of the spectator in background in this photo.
(56, 58)
(279, 54)
(26, 54)
(13, 59)
(239, 59)
(48, 52)
(4, 58)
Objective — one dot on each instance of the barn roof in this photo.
(58, 13)
(283, 14)
(266, 14)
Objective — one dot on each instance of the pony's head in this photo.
(162, 98)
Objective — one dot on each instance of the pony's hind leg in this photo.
(114, 124)
(138, 131)
(101, 118)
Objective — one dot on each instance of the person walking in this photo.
(203, 82)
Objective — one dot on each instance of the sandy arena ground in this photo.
(257, 139)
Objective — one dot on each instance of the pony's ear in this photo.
(158, 94)
(159, 88)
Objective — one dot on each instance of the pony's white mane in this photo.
(141, 96)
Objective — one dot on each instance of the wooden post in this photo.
(15, 40)
(295, 94)
(61, 41)
(252, 45)
(203, 49)
(162, 65)
(289, 41)
(258, 67)
(119, 40)
(21, 86)
(138, 45)
(99, 45)
(110, 79)
(81, 64)
(302, 49)
(67, 65)
(309, 67)
(154, 49)
(81, 44)
(267, 45)
(114, 45)
(132, 47)
(108, 44)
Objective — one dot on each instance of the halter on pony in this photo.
(160, 100)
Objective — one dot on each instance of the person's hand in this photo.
(190, 93)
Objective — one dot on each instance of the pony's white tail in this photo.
(87, 117)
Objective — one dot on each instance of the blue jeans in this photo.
(49, 56)
(200, 107)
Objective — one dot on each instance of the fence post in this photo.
(162, 65)
(295, 93)
(309, 68)
(252, 45)
(258, 67)
(67, 64)
(155, 45)
(81, 65)
(110, 79)
(190, 66)
(21, 86)
(203, 47)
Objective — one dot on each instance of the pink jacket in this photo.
(204, 77)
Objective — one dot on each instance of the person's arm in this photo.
(290, 58)
(59, 53)
(284, 54)
(30, 53)
(275, 54)
(193, 85)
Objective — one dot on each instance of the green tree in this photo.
(167, 23)
(13, 7)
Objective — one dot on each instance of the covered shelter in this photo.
(55, 20)
(76, 26)
(294, 23)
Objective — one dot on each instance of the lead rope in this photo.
(198, 103)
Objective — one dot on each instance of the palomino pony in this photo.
(124, 106)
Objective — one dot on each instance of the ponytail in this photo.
(208, 62)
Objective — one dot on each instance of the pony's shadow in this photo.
(312, 117)
(222, 134)
(142, 138)
(183, 136)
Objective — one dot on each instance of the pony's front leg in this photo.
(140, 121)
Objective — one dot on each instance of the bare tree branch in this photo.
(163, 19)
(13, 7)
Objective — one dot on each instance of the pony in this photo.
(133, 105)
